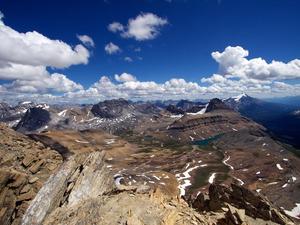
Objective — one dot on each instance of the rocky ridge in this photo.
(24, 166)
(83, 192)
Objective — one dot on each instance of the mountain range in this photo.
(230, 161)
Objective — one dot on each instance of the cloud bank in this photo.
(26, 57)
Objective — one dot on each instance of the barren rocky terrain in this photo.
(145, 165)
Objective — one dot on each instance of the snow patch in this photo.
(239, 180)
(212, 178)
(202, 111)
(225, 163)
(238, 98)
(176, 116)
(84, 142)
(26, 102)
(279, 166)
(185, 178)
(109, 141)
(295, 212)
(62, 113)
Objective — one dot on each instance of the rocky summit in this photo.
(122, 162)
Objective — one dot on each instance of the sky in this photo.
(87, 51)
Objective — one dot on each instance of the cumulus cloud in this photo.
(125, 77)
(237, 73)
(12, 71)
(233, 62)
(86, 40)
(24, 58)
(33, 48)
(111, 48)
(115, 27)
(145, 26)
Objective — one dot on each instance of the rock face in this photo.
(239, 203)
(216, 104)
(34, 119)
(185, 106)
(112, 108)
(81, 178)
(174, 110)
(24, 167)
(83, 192)
(13, 114)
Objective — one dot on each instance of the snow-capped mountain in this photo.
(13, 114)
(279, 119)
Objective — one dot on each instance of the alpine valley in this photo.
(230, 161)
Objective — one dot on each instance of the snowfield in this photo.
(295, 212)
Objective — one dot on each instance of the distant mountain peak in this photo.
(216, 104)
(239, 97)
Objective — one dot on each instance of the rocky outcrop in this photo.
(83, 192)
(11, 115)
(24, 167)
(112, 108)
(81, 178)
(34, 119)
(216, 104)
(174, 110)
(238, 202)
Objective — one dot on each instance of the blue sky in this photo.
(182, 48)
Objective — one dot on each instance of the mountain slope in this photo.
(279, 119)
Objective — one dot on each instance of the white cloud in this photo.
(1, 17)
(128, 59)
(145, 26)
(233, 62)
(24, 58)
(125, 77)
(33, 48)
(50, 83)
(115, 27)
(12, 71)
(236, 74)
(111, 48)
(86, 40)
